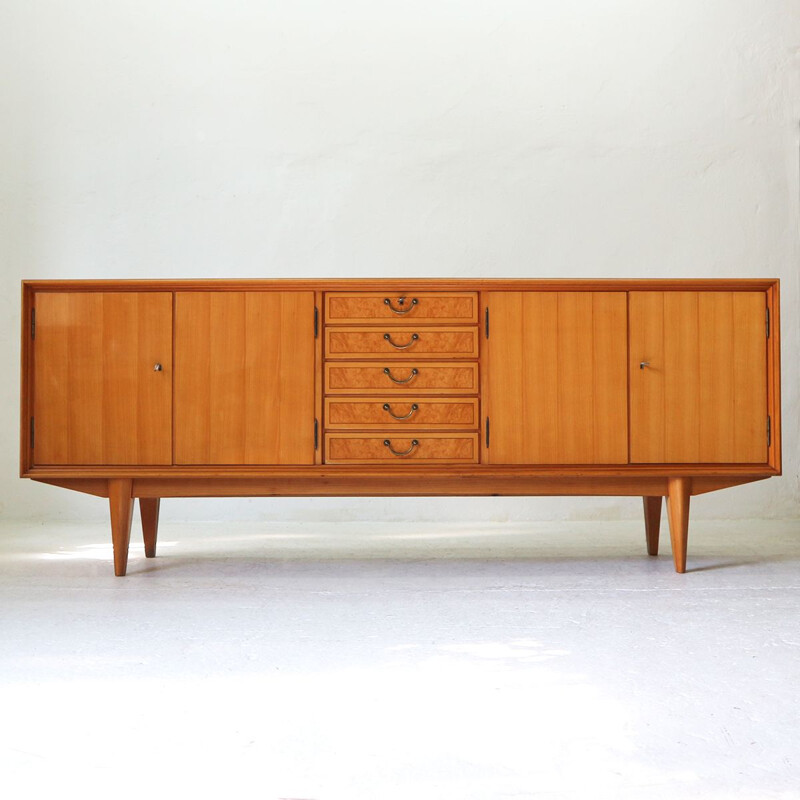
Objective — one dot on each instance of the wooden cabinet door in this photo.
(244, 377)
(556, 383)
(98, 397)
(698, 377)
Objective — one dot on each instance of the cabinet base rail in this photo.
(123, 491)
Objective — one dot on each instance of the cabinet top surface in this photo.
(403, 284)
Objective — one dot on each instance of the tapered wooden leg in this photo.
(678, 510)
(652, 523)
(121, 503)
(148, 507)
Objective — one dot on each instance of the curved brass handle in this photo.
(388, 443)
(388, 337)
(401, 301)
(387, 407)
(387, 371)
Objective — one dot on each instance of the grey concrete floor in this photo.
(340, 662)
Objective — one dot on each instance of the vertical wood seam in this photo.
(663, 448)
(628, 372)
(172, 395)
(593, 297)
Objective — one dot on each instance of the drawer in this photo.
(398, 309)
(411, 342)
(388, 447)
(427, 412)
(423, 377)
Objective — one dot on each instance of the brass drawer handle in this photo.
(388, 443)
(387, 371)
(388, 408)
(401, 301)
(388, 337)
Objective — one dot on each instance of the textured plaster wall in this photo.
(240, 138)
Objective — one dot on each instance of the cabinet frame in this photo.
(122, 484)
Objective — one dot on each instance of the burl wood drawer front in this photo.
(399, 309)
(433, 412)
(421, 448)
(412, 342)
(424, 377)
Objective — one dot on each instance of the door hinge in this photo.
(33, 323)
(316, 322)
(486, 321)
(769, 431)
(32, 433)
(487, 431)
(316, 434)
(767, 322)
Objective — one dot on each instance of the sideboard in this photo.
(399, 387)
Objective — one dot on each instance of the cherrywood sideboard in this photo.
(396, 387)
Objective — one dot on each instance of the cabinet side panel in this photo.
(774, 375)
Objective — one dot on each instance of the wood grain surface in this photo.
(431, 378)
(433, 412)
(702, 396)
(556, 381)
(415, 341)
(355, 448)
(98, 398)
(443, 307)
(244, 378)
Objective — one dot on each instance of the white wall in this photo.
(211, 138)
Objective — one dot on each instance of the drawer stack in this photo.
(401, 377)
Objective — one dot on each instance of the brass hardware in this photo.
(401, 301)
(157, 368)
(387, 371)
(388, 408)
(388, 337)
(388, 443)
(643, 364)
